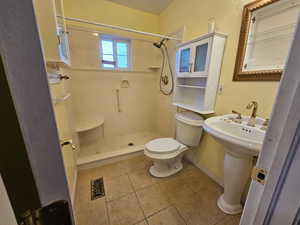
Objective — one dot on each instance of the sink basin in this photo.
(241, 142)
(240, 138)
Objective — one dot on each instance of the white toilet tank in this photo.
(188, 128)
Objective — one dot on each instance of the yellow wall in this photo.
(110, 13)
(194, 16)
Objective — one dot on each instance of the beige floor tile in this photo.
(197, 180)
(202, 209)
(113, 170)
(142, 223)
(117, 187)
(125, 211)
(230, 220)
(142, 179)
(92, 213)
(135, 164)
(176, 190)
(168, 216)
(152, 199)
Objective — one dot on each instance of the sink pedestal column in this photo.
(237, 170)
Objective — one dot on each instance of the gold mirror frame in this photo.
(261, 75)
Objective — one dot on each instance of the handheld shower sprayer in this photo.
(159, 44)
(164, 79)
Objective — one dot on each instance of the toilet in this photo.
(167, 153)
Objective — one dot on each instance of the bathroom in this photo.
(140, 123)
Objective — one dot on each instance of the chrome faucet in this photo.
(254, 105)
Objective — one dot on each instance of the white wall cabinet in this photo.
(198, 67)
(52, 29)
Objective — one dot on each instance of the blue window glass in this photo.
(107, 54)
(122, 55)
(200, 60)
(107, 47)
(108, 66)
(121, 48)
(184, 60)
(122, 61)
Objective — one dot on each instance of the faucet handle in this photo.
(266, 122)
(239, 115)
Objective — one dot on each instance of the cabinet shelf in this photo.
(191, 76)
(190, 86)
(192, 108)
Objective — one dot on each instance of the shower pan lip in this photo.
(88, 161)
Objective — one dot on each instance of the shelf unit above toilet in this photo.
(198, 66)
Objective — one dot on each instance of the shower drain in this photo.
(97, 188)
(130, 144)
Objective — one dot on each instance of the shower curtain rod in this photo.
(118, 28)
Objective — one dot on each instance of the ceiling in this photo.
(151, 6)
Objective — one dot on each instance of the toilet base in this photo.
(166, 168)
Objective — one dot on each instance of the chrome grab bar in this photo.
(118, 99)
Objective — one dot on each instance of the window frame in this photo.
(115, 40)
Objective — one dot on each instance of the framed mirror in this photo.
(266, 34)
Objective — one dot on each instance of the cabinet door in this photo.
(201, 55)
(184, 61)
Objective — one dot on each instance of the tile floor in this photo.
(133, 197)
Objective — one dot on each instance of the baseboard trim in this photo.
(189, 157)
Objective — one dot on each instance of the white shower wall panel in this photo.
(94, 96)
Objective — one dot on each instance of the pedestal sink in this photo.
(241, 142)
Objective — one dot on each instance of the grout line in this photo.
(139, 203)
(153, 214)
(186, 223)
(107, 213)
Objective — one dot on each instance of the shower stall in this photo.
(117, 111)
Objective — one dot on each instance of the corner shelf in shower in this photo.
(84, 126)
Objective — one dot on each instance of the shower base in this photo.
(104, 149)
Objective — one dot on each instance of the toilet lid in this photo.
(162, 145)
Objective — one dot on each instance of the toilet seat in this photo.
(162, 146)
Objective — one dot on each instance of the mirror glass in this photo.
(266, 35)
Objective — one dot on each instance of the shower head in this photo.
(159, 44)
